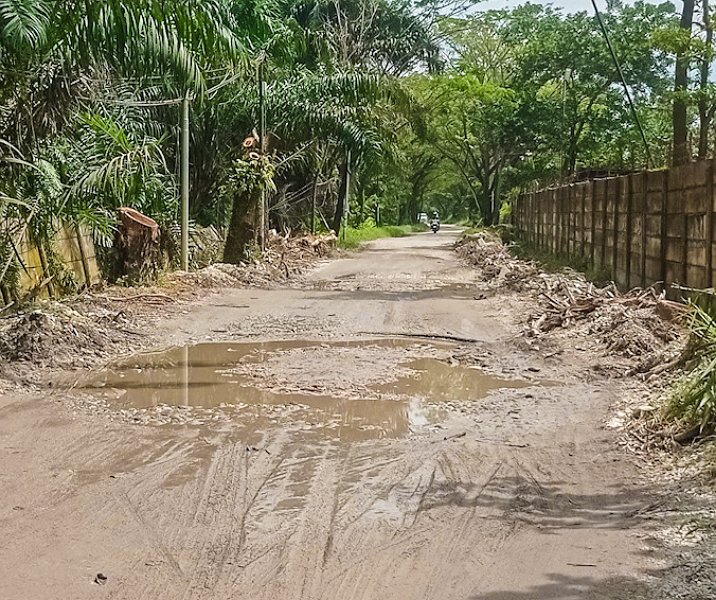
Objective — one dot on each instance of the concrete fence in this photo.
(72, 246)
(643, 228)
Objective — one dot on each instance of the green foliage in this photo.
(693, 400)
(424, 111)
(367, 232)
(120, 167)
(255, 172)
(550, 261)
(23, 23)
(531, 95)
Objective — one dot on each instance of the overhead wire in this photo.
(617, 64)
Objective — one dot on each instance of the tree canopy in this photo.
(405, 105)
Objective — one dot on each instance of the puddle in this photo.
(438, 381)
(412, 396)
(456, 291)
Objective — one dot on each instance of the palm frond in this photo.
(23, 23)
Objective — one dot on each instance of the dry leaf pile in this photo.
(497, 267)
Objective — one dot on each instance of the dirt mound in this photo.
(53, 334)
(630, 325)
(104, 321)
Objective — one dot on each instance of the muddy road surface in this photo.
(371, 431)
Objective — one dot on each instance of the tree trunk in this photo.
(681, 152)
(362, 203)
(242, 227)
(484, 203)
(138, 246)
(704, 108)
(496, 198)
(416, 198)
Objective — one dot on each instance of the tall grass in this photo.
(693, 400)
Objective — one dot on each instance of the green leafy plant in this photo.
(354, 237)
(693, 399)
(255, 172)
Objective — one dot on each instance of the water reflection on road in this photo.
(213, 375)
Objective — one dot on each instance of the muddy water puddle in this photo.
(437, 381)
(455, 291)
(351, 390)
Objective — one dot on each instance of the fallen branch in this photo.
(137, 297)
(510, 444)
(455, 437)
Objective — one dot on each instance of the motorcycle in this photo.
(435, 226)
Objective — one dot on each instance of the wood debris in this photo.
(638, 323)
(283, 258)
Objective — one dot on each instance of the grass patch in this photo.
(693, 400)
(354, 237)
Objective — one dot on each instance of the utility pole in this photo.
(263, 213)
(346, 198)
(185, 183)
(314, 198)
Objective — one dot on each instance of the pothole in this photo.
(353, 390)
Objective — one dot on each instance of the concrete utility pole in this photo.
(263, 212)
(185, 183)
(346, 197)
(314, 198)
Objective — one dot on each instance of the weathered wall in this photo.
(644, 228)
(72, 246)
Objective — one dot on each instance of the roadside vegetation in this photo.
(353, 237)
(391, 106)
(693, 400)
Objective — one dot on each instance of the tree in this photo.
(474, 126)
(531, 95)
(567, 60)
(682, 153)
(706, 103)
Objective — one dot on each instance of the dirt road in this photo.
(345, 460)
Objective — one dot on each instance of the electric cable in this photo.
(635, 115)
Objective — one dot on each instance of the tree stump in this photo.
(138, 245)
(242, 230)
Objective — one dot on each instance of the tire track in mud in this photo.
(399, 528)
(170, 562)
(161, 567)
(229, 496)
(214, 522)
(469, 531)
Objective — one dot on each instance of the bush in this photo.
(693, 400)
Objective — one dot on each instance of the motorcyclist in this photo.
(435, 218)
